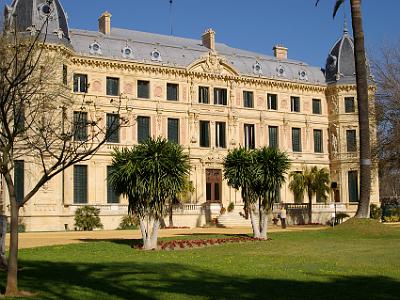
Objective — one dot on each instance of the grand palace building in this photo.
(206, 96)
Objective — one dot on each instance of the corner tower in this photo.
(340, 74)
(28, 15)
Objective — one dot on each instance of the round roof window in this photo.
(257, 68)
(46, 9)
(95, 48)
(156, 55)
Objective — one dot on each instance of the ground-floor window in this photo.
(353, 186)
(80, 184)
(112, 196)
(19, 180)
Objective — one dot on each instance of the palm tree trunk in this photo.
(256, 231)
(309, 209)
(264, 226)
(363, 110)
(170, 215)
(154, 233)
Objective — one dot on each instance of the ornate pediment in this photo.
(212, 63)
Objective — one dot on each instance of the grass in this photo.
(352, 261)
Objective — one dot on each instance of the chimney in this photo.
(209, 39)
(105, 23)
(280, 52)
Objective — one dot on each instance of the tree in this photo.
(258, 174)
(37, 122)
(363, 105)
(312, 181)
(148, 175)
(272, 165)
(239, 171)
(386, 69)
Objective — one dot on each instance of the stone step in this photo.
(233, 219)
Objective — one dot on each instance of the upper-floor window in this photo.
(296, 139)
(173, 130)
(80, 184)
(349, 106)
(220, 96)
(316, 106)
(204, 93)
(143, 89)
(272, 101)
(220, 134)
(80, 83)
(351, 140)
(273, 136)
(172, 91)
(80, 126)
(318, 141)
(248, 99)
(112, 130)
(112, 86)
(295, 104)
(249, 137)
(204, 133)
(143, 124)
(353, 186)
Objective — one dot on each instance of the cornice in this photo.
(187, 73)
(336, 89)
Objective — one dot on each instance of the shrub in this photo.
(87, 218)
(231, 207)
(375, 212)
(21, 225)
(222, 211)
(129, 222)
(392, 219)
(340, 216)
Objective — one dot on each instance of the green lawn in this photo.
(348, 262)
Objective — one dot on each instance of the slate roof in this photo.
(181, 52)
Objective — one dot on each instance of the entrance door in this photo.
(213, 185)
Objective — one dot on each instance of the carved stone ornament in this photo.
(213, 63)
(213, 157)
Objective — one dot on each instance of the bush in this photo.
(392, 219)
(375, 212)
(129, 222)
(21, 226)
(222, 211)
(87, 218)
(231, 207)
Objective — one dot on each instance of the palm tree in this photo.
(239, 171)
(272, 168)
(312, 181)
(148, 175)
(363, 105)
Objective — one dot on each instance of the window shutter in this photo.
(173, 130)
(204, 134)
(80, 184)
(349, 104)
(316, 106)
(112, 196)
(143, 128)
(112, 131)
(80, 126)
(351, 140)
(19, 180)
(273, 136)
(353, 186)
(318, 141)
(220, 134)
(296, 139)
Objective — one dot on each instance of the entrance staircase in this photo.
(233, 219)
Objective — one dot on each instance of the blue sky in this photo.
(255, 25)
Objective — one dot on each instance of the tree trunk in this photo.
(363, 110)
(309, 209)
(264, 225)
(12, 271)
(149, 239)
(154, 233)
(256, 231)
(170, 219)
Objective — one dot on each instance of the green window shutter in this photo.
(295, 104)
(203, 94)
(112, 196)
(143, 89)
(316, 106)
(272, 101)
(19, 180)
(80, 184)
(204, 134)
(317, 140)
(353, 186)
(112, 130)
(172, 91)
(249, 137)
(296, 139)
(80, 126)
(112, 86)
(173, 130)
(220, 134)
(351, 141)
(248, 99)
(349, 104)
(143, 128)
(273, 136)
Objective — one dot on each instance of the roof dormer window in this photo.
(156, 55)
(95, 48)
(127, 52)
(303, 75)
(280, 70)
(257, 69)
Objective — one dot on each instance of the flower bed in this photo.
(189, 244)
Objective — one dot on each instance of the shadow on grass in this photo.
(134, 280)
